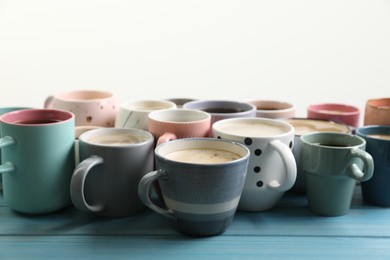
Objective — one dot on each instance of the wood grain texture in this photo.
(290, 231)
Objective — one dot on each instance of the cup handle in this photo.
(48, 102)
(78, 182)
(145, 188)
(289, 164)
(166, 137)
(7, 166)
(368, 168)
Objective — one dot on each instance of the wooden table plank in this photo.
(290, 218)
(166, 247)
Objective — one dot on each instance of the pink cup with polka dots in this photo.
(90, 107)
(272, 168)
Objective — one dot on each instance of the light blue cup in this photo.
(38, 159)
(4, 110)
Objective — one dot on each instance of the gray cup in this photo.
(200, 197)
(113, 161)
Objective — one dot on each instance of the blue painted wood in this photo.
(289, 230)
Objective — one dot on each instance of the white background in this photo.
(298, 51)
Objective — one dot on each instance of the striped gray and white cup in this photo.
(201, 181)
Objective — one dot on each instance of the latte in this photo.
(380, 136)
(116, 139)
(253, 128)
(305, 126)
(202, 156)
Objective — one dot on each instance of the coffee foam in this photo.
(202, 156)
(305, 126)
(380, 136)
(116, 139)
(253, 129)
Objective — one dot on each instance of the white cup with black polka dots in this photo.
(272, 168)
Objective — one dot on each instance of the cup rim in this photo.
(345, 109)
(83, 138)
(58, 114)
(127, 105)
(377, 103)
(373, 129)
(334, 136)
(200, 104)
(102, 94)
(288, 106)
(245, 153)
(258, 119)
(154, 115)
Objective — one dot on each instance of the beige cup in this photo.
(273, 109)
(134, 114)
(377, 112)
(90, 107)
(173, 124)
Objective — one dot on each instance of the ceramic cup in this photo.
(113, 160)
(38, 159)
(222, 109)
(304, 126)
(167, 125)
(201, 181)
(90, 107)
(332, 163)
(4, 110)
(134, 114)
(272, 168)
(376, 190)
(377, 112)
(341, 113)
(273, 109)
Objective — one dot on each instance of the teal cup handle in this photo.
(144, 190)
(289, 164)
(7, 166)
(77, 185)
(368, 168)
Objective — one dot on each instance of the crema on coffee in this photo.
(116, 139)
(305, 126)
(202, 156)
(380, 136)
(253, 129)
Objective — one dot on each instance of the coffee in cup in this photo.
(200, 196)
(202, 156)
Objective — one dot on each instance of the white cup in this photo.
(272, 167)
(134, 114)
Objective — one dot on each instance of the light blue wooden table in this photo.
(289, 231)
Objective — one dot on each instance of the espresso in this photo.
(305, 126)
(380, 136)
(268, 108)
(333, 145)
(222, 110)
(202, 156)
(253, 129)
(37, 121)
(116, 139)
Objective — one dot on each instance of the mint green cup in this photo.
(332, 164)
(37, 148)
